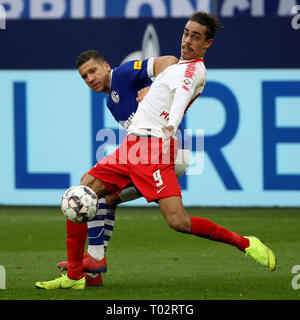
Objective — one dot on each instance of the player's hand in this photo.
(168, 132)
(142, 93)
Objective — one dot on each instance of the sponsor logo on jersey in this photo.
(187, 83)
(137, 64)
(161, 189)
(115, 96)
(165, 115)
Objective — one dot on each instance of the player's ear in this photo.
(208, 43)
(106, 66)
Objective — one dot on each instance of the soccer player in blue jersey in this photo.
(122, 85)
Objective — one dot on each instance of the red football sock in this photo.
(206, 229)
(76, 237)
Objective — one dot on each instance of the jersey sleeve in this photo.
(189, 79)
(184, 94)
(137, 70)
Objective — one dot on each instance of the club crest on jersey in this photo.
(115, 96)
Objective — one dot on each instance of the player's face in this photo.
(193, 43)
(96, 75)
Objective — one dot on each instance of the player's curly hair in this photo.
(210, 21)
(87, 55)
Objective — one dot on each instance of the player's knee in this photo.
(112, 200)
(179, 223)
(87, 180)
(94, 184)
(82, 178)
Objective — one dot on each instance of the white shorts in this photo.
(182, 161)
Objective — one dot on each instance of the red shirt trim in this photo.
(186, 109)
(192, 61)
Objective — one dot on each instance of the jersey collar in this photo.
(111, 73)
(188, 61)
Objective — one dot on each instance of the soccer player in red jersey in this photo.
(146, 157)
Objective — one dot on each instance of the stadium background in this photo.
(250, 109)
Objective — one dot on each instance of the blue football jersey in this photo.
(126, 81)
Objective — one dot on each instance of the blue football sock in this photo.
(109, 223)
(96, 232)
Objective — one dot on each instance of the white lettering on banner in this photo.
(98, 8)
(14, 8)
(285, 7)
(178, 11)
(229, 6)
(132, 9)
(261, 183)
(2, 17)
(203, 5)
(38, 10)
(78, 9)
(184, 8)
(258, 8)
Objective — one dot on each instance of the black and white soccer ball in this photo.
(79, 204)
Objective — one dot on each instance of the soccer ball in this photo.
(79, 204)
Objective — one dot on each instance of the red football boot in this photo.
(93, 280)
(90, 264)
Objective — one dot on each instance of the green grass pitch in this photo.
(149, 261)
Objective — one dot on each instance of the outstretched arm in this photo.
(141, 94)
(161, 63)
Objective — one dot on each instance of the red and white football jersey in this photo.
(169, 97)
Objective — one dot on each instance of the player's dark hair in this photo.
(87, 55)
(211, 22)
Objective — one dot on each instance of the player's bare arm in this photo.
(142, 93)
(168, 132)
(161, 63)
